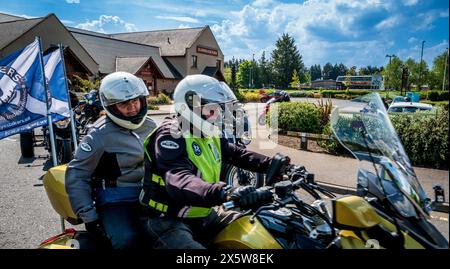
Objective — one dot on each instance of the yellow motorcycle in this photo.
(391, 209)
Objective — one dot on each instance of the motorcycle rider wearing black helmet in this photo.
(183, 159)
(104, 179)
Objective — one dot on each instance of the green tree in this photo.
(243, 75)
(440, 63)
(264, 70)
(307, 77)
(285, 59)
(342, 69)
(85, 85)
(233, 84)
(327, 71)
(227, 74)
(295, 81)
(413, 70)
(393, 73)
(316, 72)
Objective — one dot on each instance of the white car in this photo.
(409, 107)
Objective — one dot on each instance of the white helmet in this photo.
(196, 92)
(120, 87)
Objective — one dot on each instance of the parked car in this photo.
(398, 99)
(282, 96)
(408, 107)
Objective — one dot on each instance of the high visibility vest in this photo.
(205, 154)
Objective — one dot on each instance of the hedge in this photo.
(297, 117)
(438, 95)
(424, 136)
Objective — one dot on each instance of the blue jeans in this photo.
(121, 222)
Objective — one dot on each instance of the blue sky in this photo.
(354, 32)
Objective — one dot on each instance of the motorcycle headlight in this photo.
(246, 139)
(90, 102)
(62, 124)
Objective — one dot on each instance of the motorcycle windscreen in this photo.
(364, 128)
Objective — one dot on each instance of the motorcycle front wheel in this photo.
(235, 176)
(64, 151)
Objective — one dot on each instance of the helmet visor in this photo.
(123, 90)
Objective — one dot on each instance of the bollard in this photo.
(303, 141)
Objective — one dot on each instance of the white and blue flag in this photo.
(56, 84)
(23, 103)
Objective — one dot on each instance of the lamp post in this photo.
(445, 70)
(420, 67)
(387, 79)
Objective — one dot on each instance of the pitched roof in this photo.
(11, 30)
(105, 50)
(213, 71)
(130, 64)
(7, 17)
(172, 42)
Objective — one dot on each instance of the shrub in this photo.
(152, 107)
(325, 111)
(251, 97)
(332, 146)
(297, 117)
(438, 96)
(301, 94)
(424, 136)
(162, 99)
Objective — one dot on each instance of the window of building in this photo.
(194, 61)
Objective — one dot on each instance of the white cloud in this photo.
(73, 1)
(425, 20)
(180, 19)
(184, 26)
(410, 2)
(67, 21)
(108, 24)
(412, 40)
(389, 23)
(429, 52)
(260, 23)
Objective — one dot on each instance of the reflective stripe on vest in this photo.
(205, 154)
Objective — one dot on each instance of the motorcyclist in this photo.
(183, 158)
(104, 179)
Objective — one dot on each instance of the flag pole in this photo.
(49, 116)
(72, 118)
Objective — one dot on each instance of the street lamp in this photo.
(445, 70)
(420, 67)
(390, 57)
(253, 75)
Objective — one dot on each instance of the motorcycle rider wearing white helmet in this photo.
(104, 179)
(183, 158)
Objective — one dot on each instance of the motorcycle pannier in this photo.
(54, 186)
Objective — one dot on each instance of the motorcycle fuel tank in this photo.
(244, 234)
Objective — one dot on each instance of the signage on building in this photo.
(207, 51)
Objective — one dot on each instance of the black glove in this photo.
(286, 163)
(237, 193)
(95, 229)
(248, 196)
